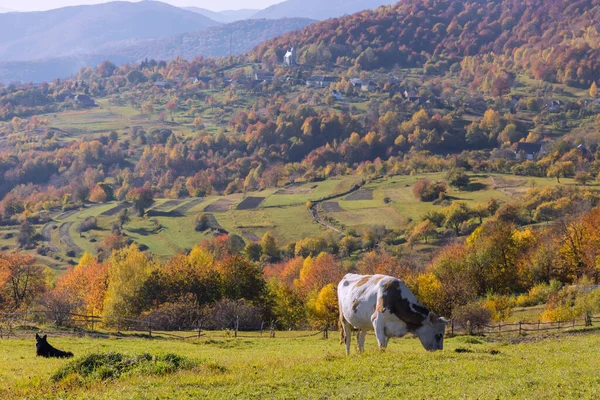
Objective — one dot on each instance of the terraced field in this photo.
(169, 226)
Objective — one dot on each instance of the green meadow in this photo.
(287, 367)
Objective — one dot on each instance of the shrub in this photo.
(426, 190)
(103, 366)
(500, 306)
(202, 222)
(458, 178)
(472, 316)
(88, 224)
(539, 294)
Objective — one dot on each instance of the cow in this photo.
(44, 349)
(384, 304)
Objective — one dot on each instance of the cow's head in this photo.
(432, 332)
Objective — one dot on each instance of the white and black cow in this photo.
(384, 304)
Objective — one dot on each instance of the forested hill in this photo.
(554, 40)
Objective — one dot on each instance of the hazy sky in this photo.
(35, 5)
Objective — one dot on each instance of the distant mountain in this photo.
(214, 41)
(319, 9)
(224, 16)
(47, 70)
(210, 42)
(84, 29)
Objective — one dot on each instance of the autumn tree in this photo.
(142, 198)
(323, 306)
(458, 178)
(129, 268)
(21, 280)
(269, 247)
(123, 217)
(561, 169)
(594, 90)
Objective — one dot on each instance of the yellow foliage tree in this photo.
(323, 306)
(594, 90)
(129, 268)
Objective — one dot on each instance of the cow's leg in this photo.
(362, 334)
(347, 334)
(379, 326)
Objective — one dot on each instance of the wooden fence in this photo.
(523, 327)
(11, 323)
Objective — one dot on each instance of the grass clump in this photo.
(112, 365)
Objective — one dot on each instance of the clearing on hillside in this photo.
(184, 208)
(331, 206)
(219, 206)
(114, 211)
(362, 194)
(250, 203)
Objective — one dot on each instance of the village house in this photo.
(531, 151)
(162, 84)
(85, 100)
(290, 57)
(337, 94)
(356, 82)
(320, 81)
(369, 86)
(264, 76)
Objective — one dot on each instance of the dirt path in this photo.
(314, 212)
(47, 235)
(66, 237)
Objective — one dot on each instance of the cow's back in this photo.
(358, 296)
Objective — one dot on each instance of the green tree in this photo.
(269, 247)
(561, 169)
(458, 178)
(455, 214)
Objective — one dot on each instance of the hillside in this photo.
(84, 29)
(552, 40)
(224, 16)
(319, 10)
(214, 41)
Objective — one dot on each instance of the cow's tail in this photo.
(341, 324)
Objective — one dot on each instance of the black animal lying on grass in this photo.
(44, 349)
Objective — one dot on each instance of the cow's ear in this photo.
(432, 317)
(444, 320)
(37, 336)
(45, 337)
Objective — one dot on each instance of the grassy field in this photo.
(555, 367)
(170, 226)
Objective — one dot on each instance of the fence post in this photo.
(326, 331)
(272, 329)
(538, 325)
(150, 327)
(93, 320)
(499, 327)
(199, 330)
(452, 327)
(262, 325)
(573, 323)
(119, 324)
(520, 328)
(237, 325)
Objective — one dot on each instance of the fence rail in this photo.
(523, 327)
(10, 323)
